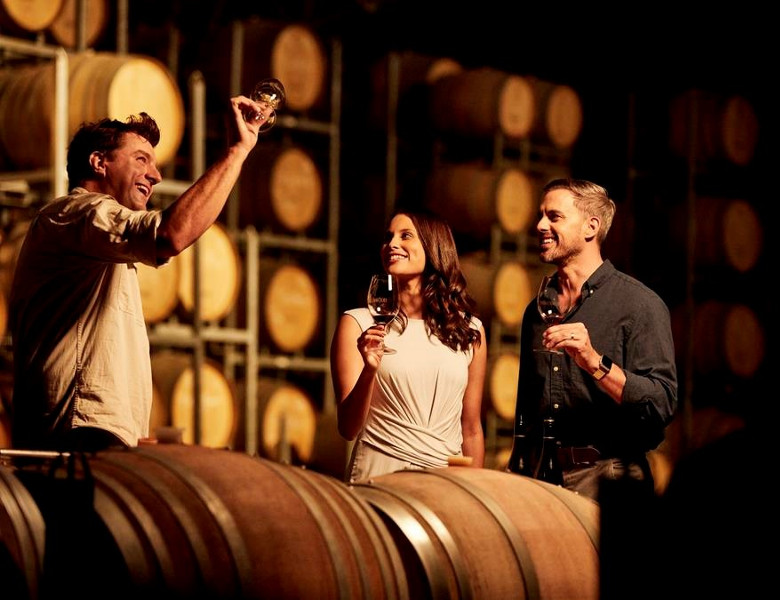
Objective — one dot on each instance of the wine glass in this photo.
(271, 95)
(382, 301)
(548, 305)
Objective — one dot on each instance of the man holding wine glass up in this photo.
(416, 402)
(598, 386)
(82, 371)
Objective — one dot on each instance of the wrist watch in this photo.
(605, 364)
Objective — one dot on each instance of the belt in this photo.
(573, 457)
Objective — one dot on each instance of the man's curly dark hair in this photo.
(105, 136)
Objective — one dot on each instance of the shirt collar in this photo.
(598, 277)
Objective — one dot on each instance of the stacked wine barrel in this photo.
(100, 84)
(723, 237)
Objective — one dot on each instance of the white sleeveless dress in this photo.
(414, 418)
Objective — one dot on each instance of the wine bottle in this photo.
(519, 458)
(548, 468)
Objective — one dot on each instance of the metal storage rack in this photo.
(241, 344)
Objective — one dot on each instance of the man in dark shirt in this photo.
(594, 409)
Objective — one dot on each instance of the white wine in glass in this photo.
(271, 96)
(383, 303)
(549, 307)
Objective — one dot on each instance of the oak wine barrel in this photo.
(728, 338)
(472, 197)
(180, 521)
(728, 233)
(281, 188)
(288, 421)
(559, 116)
(484, 102)
(501, 289)
(503, 373)
(291, 305)
(220, 271)
(173, 378)
(415, 77)
(64, 27)
(27, 17)
(101, 84)
(159, 290)
(714, 126)
(293, 53)
(22, 539)
(533, 539)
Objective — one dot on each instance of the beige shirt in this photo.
(81, 350)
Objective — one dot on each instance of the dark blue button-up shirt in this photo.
(628, 322)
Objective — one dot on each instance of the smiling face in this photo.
(562, 228)
(402, 251)
(128, 173)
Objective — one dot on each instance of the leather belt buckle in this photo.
(572, 457)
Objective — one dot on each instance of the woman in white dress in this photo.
(422, 405)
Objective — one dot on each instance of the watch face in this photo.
(604, 367)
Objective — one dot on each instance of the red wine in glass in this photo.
(382, 300)
(548, 305)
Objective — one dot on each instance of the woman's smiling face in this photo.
(402, 250)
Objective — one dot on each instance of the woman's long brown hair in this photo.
(447, 304)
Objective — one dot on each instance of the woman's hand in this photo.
(370, 344)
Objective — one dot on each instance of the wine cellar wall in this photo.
(302, 228)
(241, 363)
(704, 205)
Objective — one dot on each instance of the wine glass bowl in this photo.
(383, 302)
(548, 303)
(271, 95)
(549, 306)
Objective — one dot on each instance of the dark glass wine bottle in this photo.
(549, 469)
(519, 457)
